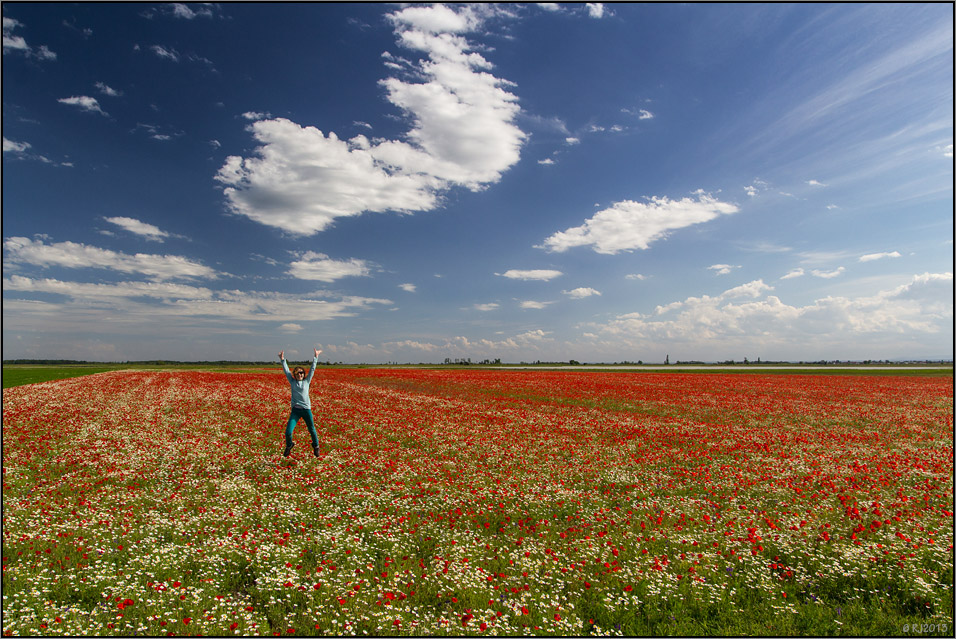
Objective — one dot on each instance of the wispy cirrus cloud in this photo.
(828, 275)
(181, 10)
(170, 53)
(192, 10)
(84, 103)
(93, 291)
(457, 346)
(10, 146)
(21, 250)
(756, 187)
(21, 151)
(630, 225)
(167, 53)
(462, 134)
(158, 132)
(106, 307)
(870, 257)
(793, 273)
(143, 229)
(642, 114)
(834, 118)
(17, 44)
(105, 89)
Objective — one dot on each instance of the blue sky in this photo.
(409, 183)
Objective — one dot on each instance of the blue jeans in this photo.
(294, 416)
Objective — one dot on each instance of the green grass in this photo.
(21, 374)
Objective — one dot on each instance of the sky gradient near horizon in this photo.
(409, 183)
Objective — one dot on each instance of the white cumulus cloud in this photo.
(322, 268)
(753, 289)
(761, 323)
(722, 269)
(302, 180)
(630, 225)
(581, 292)
(532, 274)
(462, 134)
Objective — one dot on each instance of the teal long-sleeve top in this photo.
(300, 388)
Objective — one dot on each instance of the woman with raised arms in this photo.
(301, 406)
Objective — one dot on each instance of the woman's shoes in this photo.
(288, 450)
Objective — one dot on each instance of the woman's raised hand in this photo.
(281, 354)
(317, 351)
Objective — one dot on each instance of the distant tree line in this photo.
(467, 361)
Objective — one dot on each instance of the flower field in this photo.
(479, 502)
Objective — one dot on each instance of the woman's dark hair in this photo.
(296, 370)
